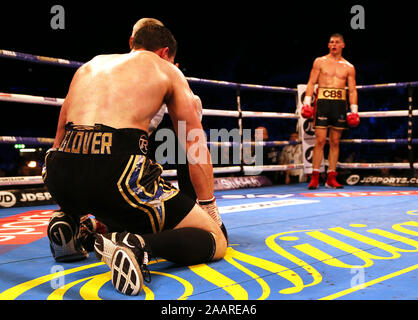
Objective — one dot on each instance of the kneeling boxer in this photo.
(100, 164)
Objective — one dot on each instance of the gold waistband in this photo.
(331, 94)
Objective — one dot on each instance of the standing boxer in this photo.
(332, 73)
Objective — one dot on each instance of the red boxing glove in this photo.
(353, 120)
(307, 111)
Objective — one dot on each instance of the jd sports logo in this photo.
(38, 196)
(353, 179)
(7, 199)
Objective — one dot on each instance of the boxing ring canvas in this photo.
(285, 243)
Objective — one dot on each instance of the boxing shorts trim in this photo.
(331, 94)
(138, 184)
(103, 140)
(147, 193)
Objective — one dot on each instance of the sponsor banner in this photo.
(25, 197)
(231, 183)
(41, 196)
(306, 131)
(24, 228)
(376, 180)
(361, 194)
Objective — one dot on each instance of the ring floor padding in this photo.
(286, 243)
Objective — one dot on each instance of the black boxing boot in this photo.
(64, 243)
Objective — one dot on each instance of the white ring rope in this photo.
(31, 99)
(24, 98)
(248, 170)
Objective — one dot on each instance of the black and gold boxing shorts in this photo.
(331, 109)
(106, 172)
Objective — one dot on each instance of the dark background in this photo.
(259, 42)
(266, 42)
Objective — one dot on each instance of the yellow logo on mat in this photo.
(296, 273)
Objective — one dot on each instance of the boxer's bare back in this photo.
(126, 91)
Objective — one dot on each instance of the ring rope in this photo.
(380, 165)
(384, 114)
(39, 141)
(24, 98)
(31, 180)
(50, 142)
(27, 140)
(76, 64)
(39, 59)
(371, 141)
(388, 85)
